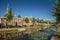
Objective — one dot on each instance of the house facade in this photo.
(3, 21)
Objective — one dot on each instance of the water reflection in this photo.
(25, 37)
(39, 35)
(45, 34)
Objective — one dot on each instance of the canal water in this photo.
(39, 35)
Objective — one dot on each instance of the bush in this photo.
(58, 32)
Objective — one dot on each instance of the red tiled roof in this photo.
(31, 19)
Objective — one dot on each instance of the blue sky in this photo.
(36, 8)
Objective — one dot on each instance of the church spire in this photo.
(7, 10)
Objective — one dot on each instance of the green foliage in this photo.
(56, 11)
(41, 21)
(10, 15)
(38, 20)
(58, 32)
(27, 20)
(34, 20)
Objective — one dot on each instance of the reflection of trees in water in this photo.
(26, 37)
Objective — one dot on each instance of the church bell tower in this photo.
(7, 10)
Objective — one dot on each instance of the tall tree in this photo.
(56, 11)
(10, 15)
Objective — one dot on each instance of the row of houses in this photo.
(19, 21)
(16, 20)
